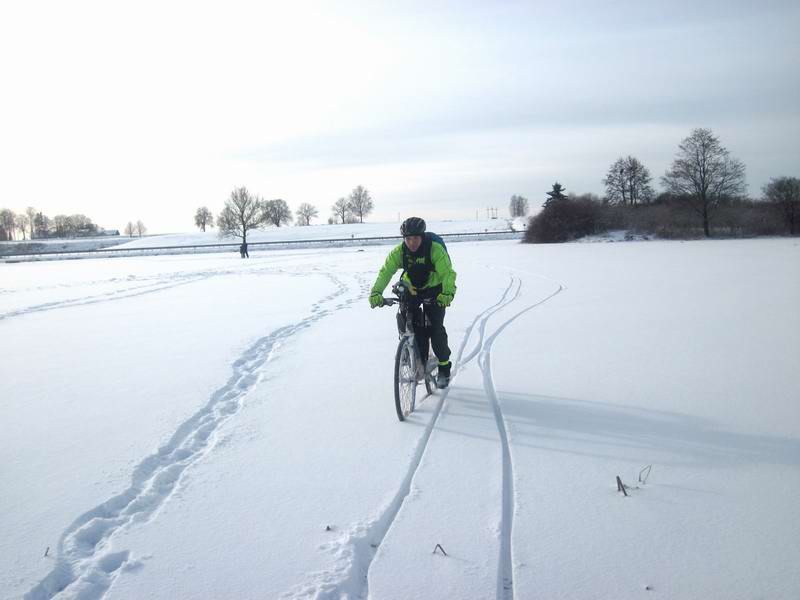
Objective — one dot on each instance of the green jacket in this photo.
(442, 269)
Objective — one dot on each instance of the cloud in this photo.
(162, 107)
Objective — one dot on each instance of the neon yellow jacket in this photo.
(442, 272)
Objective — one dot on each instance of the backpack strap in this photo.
(418, 265)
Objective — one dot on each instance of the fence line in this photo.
(274, 244)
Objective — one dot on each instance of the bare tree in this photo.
(628, 182)
(130, 229)
(360, 202)
(341, 209)
(62, 225)
(518, 207)
(203, 218)
(21, 222)
(140, 229)
(705, 173)
(31, 214)
(306, 212)
(8, 222)
(243, 212)
(784, 193)
(81, 225)
(41, 225)
(276, 212)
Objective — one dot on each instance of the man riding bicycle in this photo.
(429, 275)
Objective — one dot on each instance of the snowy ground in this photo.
(294, 236)
(207, 427)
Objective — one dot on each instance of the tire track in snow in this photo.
(356, 549)
(97, 298)
(505, 580)
(481, 319)
(86, 564)
(162, 283)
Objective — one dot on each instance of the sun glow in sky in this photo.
(149, 110)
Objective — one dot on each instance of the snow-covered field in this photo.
(271, 237)
(207, 427)
(59, 245)
(322, 232)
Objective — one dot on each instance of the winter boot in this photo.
(443, 375)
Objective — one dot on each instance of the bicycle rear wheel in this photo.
(405, 380)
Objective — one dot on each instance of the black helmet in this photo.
(412, 226)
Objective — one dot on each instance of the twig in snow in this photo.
(644, 474)
(621, 486)
(439, 547)
(46, 552)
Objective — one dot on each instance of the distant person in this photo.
(428, 272)
(243, 250)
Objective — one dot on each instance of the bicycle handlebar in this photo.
(393, 301)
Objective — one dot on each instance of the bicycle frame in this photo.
(407, 376)
(407, 311)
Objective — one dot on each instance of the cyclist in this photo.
(428, 273)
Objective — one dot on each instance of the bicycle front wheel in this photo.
(405, 380)
(430, 376)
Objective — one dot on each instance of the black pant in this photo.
(436, 336)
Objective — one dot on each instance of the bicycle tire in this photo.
(405, 381)
(430, 381)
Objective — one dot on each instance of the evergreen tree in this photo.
(557, 193)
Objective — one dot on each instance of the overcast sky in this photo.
(149, 110)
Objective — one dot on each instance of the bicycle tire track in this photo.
(86, 563)
(161, 284)
(357, 548)
(505, 575)
(483, 318)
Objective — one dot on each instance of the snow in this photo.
(318, 232)
(269, 238)
(59, 245)
(614, 235)
(209, 427)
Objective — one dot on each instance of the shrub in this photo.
(564, 219)
(668, 217)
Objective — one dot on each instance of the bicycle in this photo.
(408, 368)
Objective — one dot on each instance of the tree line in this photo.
(244, 212)
(703, 190)
(33, 224)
